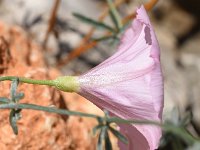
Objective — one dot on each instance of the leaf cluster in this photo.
(15, 114)
(114, 30)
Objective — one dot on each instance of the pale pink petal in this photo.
(129, 84)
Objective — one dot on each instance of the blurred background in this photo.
(67, 44)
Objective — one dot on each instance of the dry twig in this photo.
(52, 21)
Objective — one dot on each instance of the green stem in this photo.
(181, 132)
(115, 15)
(28, 80)
(46, 109)
(63, 83)
(119, 120)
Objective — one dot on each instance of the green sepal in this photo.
(67, 83)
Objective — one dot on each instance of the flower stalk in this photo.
(64, 83)
(28, 80)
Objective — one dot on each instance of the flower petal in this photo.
(129, 84)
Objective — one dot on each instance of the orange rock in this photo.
(40, 130)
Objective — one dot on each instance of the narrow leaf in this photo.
(187, 119)
(13, 89)
(106, 38)
(120, 136)
(4, 100)
(19, 96)
(94, 23)
(123, 29)
(106, 113)
(94, 130)
(13, 121)
(100, 120)
(114, 15)
(108, 145)
(101, 138)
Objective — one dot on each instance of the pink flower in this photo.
(129, 84)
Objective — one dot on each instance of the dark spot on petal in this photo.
(147, 32)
